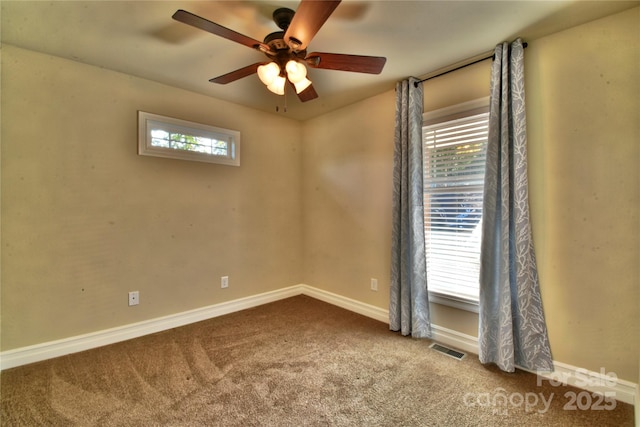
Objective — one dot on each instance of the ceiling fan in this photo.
(287, 49)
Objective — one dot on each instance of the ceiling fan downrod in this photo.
(282, 17)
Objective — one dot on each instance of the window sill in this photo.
(453, 301)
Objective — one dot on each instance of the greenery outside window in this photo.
(454, 148)
(162, 136)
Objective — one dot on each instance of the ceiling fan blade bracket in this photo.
(313, 61)
(264, 48)
(294, 44)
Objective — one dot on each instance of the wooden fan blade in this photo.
(308, 94)
(237, 74)
(309, 17)
(354, 63)
(213, 28)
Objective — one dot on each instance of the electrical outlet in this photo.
(374, 284)
(224, 282)
(134, 298)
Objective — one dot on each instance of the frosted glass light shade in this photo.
(296, 72)
(277, 86)
(302, 85)
(268, 73)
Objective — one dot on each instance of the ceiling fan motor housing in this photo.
(276, 41)
(280, 52)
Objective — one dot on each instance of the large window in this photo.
(179, 139)
(454, 160)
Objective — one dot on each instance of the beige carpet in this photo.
(295, 362)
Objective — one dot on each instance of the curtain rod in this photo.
(484, 58)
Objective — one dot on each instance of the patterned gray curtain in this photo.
(409, 306)
(512, 329)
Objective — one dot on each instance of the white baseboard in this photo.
(624, 391)
(597, 382)
(455, 339)
(51, 349)
(637, 405)
(347, 303)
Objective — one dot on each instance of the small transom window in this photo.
(180, 139)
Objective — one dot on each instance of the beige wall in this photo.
(347, 181)
(85, 219)
(584, 131)
(582, 89)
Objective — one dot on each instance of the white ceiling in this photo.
(417, 37)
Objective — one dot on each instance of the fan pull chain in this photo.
(285, 100)
(284, 107)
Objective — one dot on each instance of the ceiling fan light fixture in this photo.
(297, 74)
(277, 86)
(268, 73)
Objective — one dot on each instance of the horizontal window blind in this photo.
(454, 163)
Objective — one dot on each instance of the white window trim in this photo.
(456, 111)
(183, 126)
(455, 302)
(453, 112)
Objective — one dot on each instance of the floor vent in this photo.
(458, 355)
